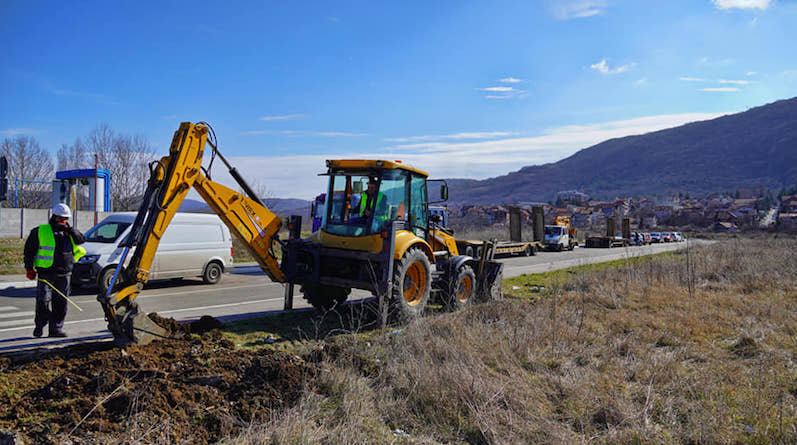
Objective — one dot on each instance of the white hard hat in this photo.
(62, 209)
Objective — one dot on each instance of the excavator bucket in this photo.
(134, 327)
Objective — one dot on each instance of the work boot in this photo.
(37, 332)
(58, 334)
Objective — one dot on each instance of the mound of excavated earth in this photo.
(195, 389)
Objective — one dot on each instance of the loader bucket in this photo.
(134, 327)
(490, 280)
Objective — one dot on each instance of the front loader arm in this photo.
(170, 180)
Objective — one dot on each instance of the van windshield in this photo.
(106, 231)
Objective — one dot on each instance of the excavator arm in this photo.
(170, 180)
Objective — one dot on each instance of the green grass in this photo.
(11, 256)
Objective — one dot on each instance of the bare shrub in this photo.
(628, 354)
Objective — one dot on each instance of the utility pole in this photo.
(3, 187)
(95, 188)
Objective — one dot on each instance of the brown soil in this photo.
(195, 389)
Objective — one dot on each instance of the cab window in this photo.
(419, 212)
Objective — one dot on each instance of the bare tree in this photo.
(125, 156)
(75, 156)
(131, 156)
(28, 161)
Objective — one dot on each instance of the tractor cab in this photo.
(365, 196)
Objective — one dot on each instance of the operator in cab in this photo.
(50, 252)
(372, 202)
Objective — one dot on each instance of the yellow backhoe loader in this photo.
(376, 234)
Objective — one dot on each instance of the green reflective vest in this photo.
(44, 257)
(364, 202)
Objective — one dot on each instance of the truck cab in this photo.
(559, 238)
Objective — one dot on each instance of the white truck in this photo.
(561, 235)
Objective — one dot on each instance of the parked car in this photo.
(194, 244)
(655, 237)
(637, 239)
(678, 237)
(666, 237)
(646, 237)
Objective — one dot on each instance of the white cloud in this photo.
(11, 132)
(751, 73)
(455, 158)
(736, 82)
(283, 117)
(497, 89)
(455, 136)
(742, 4)
(503, 92)
(603, 67)
(641, 82)
(721, 90)
(510, 80)
(692, 79)
(576, 9)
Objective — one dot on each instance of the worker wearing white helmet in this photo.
(50, 252)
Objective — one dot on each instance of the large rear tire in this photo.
(462, 288)
(412, 284)
(325, 298)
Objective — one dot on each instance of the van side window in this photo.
(106, 232)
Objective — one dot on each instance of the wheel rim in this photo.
(213, 273)
(464, 289)
(414, 283)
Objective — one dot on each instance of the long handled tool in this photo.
(61, 293)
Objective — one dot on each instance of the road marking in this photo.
(18, 314)
(13, 323)
(93, 320)
(7, 308)
(202, 308)
(148, 293)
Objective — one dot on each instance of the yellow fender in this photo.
(406, 239)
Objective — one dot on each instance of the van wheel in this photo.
(212, 273)
(412, 284)
(104, 280)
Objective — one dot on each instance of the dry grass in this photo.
(696, 347)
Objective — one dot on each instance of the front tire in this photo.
(412, 284)
(462, 289)
(212, 274)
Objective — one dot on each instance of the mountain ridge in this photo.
(754, 147)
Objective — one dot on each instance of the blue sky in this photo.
(457, 88)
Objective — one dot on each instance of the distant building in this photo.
(572, 195)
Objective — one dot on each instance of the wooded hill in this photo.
(756, 147)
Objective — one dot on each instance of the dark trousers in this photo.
(50, 305)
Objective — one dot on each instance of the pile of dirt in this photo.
(177, 390)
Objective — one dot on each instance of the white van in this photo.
(194, 244)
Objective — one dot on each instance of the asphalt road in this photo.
(244, 293)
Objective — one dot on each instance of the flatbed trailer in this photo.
(606, 242)
(502, 248)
